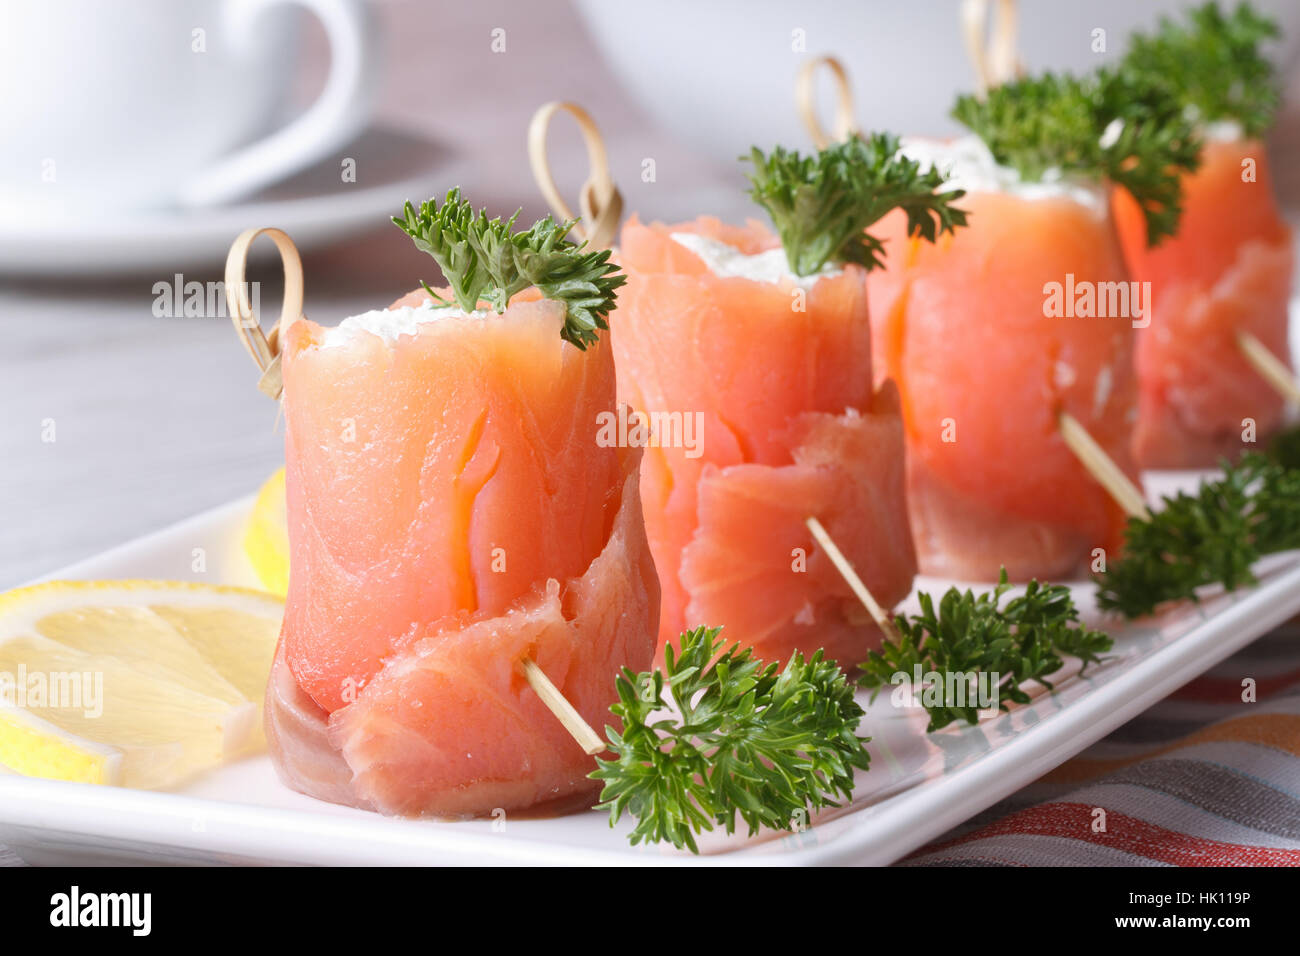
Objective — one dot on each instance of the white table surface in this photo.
(156, 419)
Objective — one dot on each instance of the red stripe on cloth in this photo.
(1227, 690)
(1279, 731)
(1073, 821)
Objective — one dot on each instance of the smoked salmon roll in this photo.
(983, 375)
(994, 332)
(451, 512)
(1229, 268)
(766, 347)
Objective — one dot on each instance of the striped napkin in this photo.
(1203, 778)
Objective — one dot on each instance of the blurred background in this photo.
(126, 171)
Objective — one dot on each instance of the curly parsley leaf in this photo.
(1213, 61)
(822, 204)
(717, 734)
(971, 635)
(489, 260)
(1108, 126)
(1213, 536)
(1284, 449)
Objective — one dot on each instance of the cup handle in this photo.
(338, 113)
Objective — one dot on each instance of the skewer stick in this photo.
(1102, 467)
(995, 61)
(842, 564)
(806, 100)
(1271, 368)
(265, 351)
(1004, 61)
(559, 705)
(599, 202)
(264, 348)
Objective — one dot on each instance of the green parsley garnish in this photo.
(745, 740)
(1213, 536)
(487, 260)
(1285, 448)
(1109, 126)
(821, 205)
(969, 635)
(1213, 62)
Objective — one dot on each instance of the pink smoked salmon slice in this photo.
(453, 471)
(1229, 268)
(447, 727)
(737, 566)
(436, 487)
(790, 427)
(983, 373)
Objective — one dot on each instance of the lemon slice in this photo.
(134, 683)
(266, 539)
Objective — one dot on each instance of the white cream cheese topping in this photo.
(727, 261)
(967, 163)
(390, 324)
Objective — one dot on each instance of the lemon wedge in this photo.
(132, 683)
(266, 539)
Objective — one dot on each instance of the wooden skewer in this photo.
(559, 705)
(265, 351)
(1004, 61)
(1102, 466)
(1269, 366)
(599, 202)
(842, 564)
(996, 60)
(806, 100)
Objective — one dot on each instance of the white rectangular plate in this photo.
(919, 785)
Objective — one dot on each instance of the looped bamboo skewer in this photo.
(599, 202)
(264, 348)
(601, 208)
(806, 100)
(995, 59)
(265, 351)
(994, 65)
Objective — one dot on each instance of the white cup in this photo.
(111, 106)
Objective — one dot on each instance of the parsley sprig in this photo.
(742, 739)
(1117, 126)
(1213, 61)
(488, 260)
(1285, 448)
(1213, 536)
(968, 635)
(822, 204)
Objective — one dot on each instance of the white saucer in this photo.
(315, 207)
